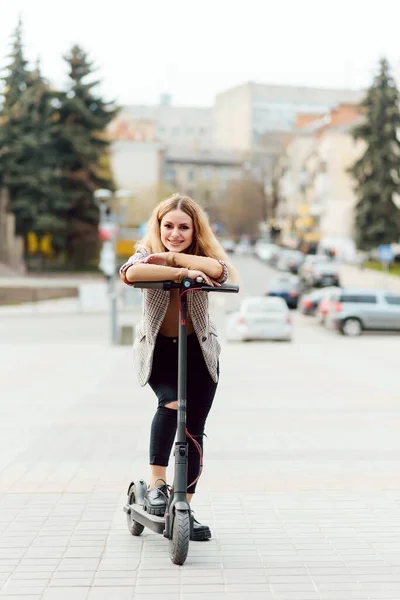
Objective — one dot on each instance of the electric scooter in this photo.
(177, 522)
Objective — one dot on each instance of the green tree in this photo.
(16, 80)
(83, 149)
(377, 172)
(29, 160)
(40, 203)
(15, 83)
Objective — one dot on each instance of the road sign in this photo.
(385, 253)
(107, 230)
(107, 259)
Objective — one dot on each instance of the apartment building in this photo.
(316, 191)
(245, 115)
(202, 174)
(171, 125)
(162, 148)
(157, 150)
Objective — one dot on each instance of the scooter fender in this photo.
(181, 506)
(140, 488)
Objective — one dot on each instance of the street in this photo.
(301, 484)
(324, 406)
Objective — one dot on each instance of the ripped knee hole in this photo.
(173, 405)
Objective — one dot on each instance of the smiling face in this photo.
(176, 229)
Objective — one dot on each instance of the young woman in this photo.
(179, 243)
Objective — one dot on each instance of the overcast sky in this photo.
(195, 49)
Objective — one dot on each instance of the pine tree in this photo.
(377, 172)
(27, 139)
(11, 125)
(16, 82)
(40, 202)
(83, 148)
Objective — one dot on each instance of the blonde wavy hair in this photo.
(204, 242)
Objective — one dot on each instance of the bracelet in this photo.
(183, 272)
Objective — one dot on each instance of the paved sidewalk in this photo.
(352, 275)
(301, 484)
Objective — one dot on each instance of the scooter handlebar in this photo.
(185, 284)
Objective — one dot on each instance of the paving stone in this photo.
(66, 593)
(107, 593)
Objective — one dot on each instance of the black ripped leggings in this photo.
(200, 395)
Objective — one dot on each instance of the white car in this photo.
(260, 318)
(243, 248)
(228, 245)
(265, 251)
(309, 261)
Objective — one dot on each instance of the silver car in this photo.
(260, 318)
(290, 260)
(323, 274)
(352, 310)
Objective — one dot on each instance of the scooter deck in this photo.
(153, 522)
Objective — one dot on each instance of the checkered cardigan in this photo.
(154, 308)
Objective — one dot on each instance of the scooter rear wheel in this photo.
(134, 527)
(179, 544)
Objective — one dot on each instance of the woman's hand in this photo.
(193, 274)
(160, 258)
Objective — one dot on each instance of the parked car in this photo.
(290, 260)
(323, 274)
(243, 247)
(323, 306)
(228, 245)
(309, 303)
(287, 287)
(309, 261)
(352, 311)
(275, 256)
(265, 251)
(260, 318)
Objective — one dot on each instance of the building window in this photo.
(226, 174)
(207, 173)
(169, 173)
(190, 175)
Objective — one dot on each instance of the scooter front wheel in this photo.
(134, 527)
(179, 543)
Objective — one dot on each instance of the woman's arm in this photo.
(146, 272)
(136, 269)
(210, 266)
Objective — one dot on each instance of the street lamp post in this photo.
(108, 227)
